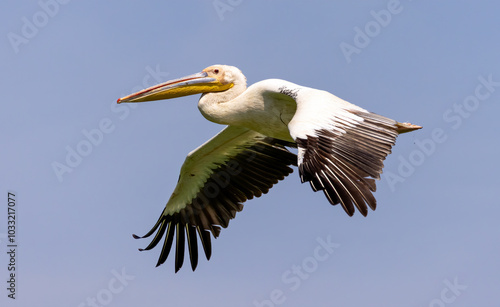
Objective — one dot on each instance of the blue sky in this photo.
(434, 239)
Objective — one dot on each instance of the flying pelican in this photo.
(340, 151)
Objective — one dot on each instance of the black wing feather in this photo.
(261, 166)
(344, 164)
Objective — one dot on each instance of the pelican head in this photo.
(213, 79)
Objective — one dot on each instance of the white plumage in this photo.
(341, 148)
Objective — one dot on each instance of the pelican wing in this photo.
(216, 178)
(341, 148)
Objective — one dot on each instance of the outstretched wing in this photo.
(216, 178)
(341, 147)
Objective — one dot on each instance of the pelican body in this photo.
(341, 148)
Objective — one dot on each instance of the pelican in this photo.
(340, 151)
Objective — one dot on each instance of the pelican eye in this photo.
(216, 71)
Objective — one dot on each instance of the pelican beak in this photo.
(189, 85)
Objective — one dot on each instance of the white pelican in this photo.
(341, 148)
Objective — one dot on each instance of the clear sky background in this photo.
(434, 239)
